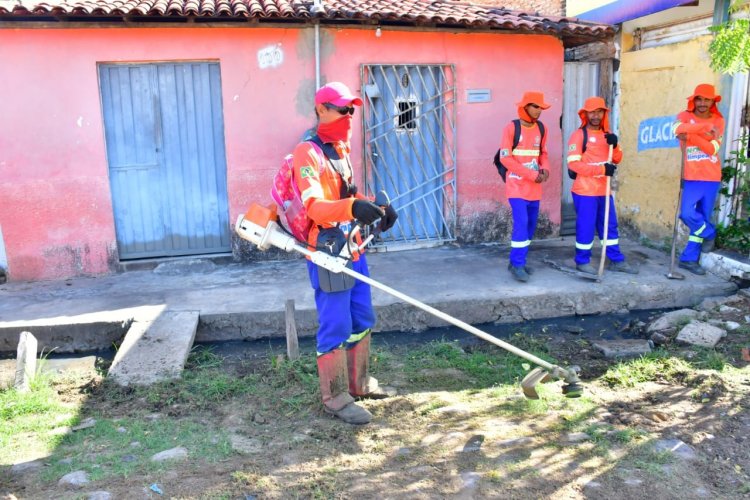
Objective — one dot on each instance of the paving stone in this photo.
(622, 348)
(576, 437)
(99, 495)
(671, 319)
(676, 447)
(701, 334)
(76, 479)
(177, 453)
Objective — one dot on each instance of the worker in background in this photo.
(523, 153)
(345, 312)
(588, 152)
(700, 129)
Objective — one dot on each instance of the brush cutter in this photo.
(672, 274)
(259, 227)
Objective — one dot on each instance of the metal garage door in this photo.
(164, 131)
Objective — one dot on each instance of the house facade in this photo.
(142, 131)
(662, 55)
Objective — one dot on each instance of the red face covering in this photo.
(523, 115)
(337, 130)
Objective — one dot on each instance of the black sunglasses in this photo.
(342, 110)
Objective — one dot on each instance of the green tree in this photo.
(730, 48)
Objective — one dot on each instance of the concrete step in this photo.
(155, 348)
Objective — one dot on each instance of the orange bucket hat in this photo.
(533, 98)
(530, 98)
(706, 91)
(592, 104)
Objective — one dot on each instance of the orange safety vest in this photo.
(589, 164)
(704, 136)
(524, 161)
(320, 189)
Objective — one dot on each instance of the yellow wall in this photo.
(655, 82)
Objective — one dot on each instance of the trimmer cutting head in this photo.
(572, 388)
(529, 382)
(674, 275)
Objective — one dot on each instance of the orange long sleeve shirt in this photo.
(589, 165)
(320, 187)
(704, 136)
(524, 161)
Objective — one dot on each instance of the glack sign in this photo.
(656, 132)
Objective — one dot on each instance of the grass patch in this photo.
(657, 365)
(484, 366)
(26, 419)
(125, 447)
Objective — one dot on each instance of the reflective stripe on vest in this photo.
(525, 152)
(314, 191)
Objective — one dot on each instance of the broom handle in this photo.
(677, 209)
(606, 216)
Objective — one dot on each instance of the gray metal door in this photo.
(581, 81)
(410, 139)
(164, 131)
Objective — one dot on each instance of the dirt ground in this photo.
(449, 433)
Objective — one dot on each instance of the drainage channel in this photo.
(591, 327)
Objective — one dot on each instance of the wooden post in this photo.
(292, 345)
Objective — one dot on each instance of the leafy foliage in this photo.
(730, 48)
(735, 182)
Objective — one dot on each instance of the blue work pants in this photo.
(525, 216)
(590, 219)
(698, 198)
(342, 315)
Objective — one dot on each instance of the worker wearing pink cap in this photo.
(345, 312)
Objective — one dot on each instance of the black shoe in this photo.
(708, 245)
(529, 270)
(622, 267)
(587, 268)
(519, 273)
(693, 267)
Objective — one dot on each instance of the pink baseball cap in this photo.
(337, 94)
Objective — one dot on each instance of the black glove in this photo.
(611, 139)
(389, 219)
(366, 212)
(609, 169)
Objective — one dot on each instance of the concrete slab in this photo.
(155, 349)
(247, 301)
(628, 348)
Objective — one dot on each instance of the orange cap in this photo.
(592, 104)
(533, 98)
(707, 91)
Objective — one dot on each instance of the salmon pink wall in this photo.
(508, 65)
(56, 210)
